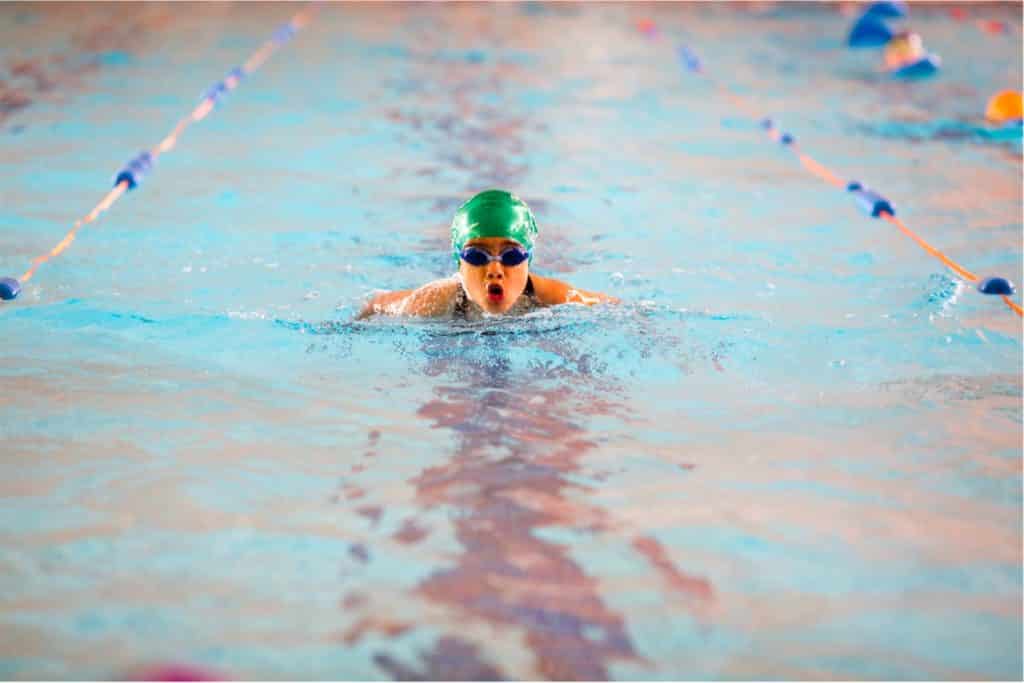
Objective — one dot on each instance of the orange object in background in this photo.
(1004, 106)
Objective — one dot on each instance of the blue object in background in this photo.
(922, 68)
(214, 92)
(135, 170)
(869, 31)
(689, 58)
(283, 34)
(996, 285)
(9, 288)
(888, 10)
(870, 201)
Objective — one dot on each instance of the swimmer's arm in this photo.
(381, 303)
(551, 292)
(431, 300)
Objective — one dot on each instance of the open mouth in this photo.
(495, 292)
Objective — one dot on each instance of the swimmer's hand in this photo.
(432, 300)
(551, 292)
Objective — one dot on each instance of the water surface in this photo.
(792, 452)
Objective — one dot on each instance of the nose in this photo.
(495, 271)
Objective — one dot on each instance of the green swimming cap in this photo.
(494, 213)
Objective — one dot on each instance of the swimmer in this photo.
(493, 236)
(904, 48)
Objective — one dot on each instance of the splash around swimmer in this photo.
(493, 237)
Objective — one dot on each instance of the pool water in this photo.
(793, 451)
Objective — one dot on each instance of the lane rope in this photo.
(133, 172)
(871, 202)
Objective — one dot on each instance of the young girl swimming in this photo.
(493, 235)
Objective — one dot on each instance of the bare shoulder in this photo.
(430, 300)
(552, 292)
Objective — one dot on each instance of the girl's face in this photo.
(494, 287)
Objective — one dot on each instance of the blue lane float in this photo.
(996, 286)
(922, 68)
(214, 92)
(283, 34)
(135, 170)
(869, 31)
(870, 202)
(888, 10)
(9, 288)
(222, 87)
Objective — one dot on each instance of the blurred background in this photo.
(794, 451)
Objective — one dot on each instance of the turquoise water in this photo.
(793, 451)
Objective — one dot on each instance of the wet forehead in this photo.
(492, 244)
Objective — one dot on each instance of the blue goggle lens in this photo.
(512, 256)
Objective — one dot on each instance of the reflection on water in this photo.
(520, 446)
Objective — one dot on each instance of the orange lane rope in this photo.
(104, 204)
(133, 172)
(879, 207)
(951, 264)
(1013, 306)
(819, 170)
(827, 175)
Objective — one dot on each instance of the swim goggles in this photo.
(510, 256)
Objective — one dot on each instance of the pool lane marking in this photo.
(132, 174)
(880, 207)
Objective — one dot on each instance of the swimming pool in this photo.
(794, 451)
